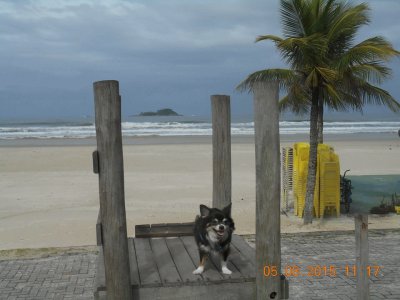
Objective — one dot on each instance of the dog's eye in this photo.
(214, 222)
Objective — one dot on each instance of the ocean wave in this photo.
(176, 128)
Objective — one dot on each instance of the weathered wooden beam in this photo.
(111, 187)
(95, 159)
(362, 249)
(99, 230)
(164, 230)
(268, 239)
(221, 138)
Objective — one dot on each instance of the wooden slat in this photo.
(111, 188)
(95, 159)
(182, 260)
(164, 230)
(166, 266)
(221, 141)
(221, 291)
(244, 248)
(100, 281)
(245, 267)
(362, 253)
(148, 272)
(99, 231)
(210, 273)
(268, 186)
(135, 281)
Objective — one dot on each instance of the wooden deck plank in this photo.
(245, 267)
(182, 260)
(148, 272)
(235, 272)
(166, 266)
(134, 271)
(244, 248)
(159, 262)
(220, 291)
(210, 273)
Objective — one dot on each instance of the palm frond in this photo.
(302, 52)
(327, 74)
(318, 45)
(312, 80)
(291, 18)
(347, 22)
(374, 95)
(333, 98)
(372, 49)
(284, 77)
(374, 71)
(294, 103)
(270, 37)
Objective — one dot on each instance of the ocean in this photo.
(180, 126)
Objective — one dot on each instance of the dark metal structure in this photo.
(345, 192)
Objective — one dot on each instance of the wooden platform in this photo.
(161, 268)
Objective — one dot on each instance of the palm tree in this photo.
(326, 67)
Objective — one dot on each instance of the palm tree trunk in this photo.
(320, 121)
(312, 160)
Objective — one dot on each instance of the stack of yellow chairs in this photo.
(327, 185)
(300, 172)
(287, 175)
(329, 189)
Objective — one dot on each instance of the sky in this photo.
(173, 53)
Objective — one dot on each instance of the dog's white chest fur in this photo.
(205, 248)
(212, 237)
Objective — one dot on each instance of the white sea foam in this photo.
(177, 128)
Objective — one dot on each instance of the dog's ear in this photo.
(227, 210)
(204, 210)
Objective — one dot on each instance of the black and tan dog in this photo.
(213, 233)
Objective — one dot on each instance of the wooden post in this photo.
(222, 175)
(362, 249)
(111, 187)
(268, 235)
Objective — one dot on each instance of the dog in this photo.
(213, 233)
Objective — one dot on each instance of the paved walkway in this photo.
(58, 277)
(71, 276)
(319, 255)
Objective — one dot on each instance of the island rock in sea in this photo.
(160, 112)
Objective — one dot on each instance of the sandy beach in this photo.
(49, 194)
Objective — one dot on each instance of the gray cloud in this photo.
(164, 53)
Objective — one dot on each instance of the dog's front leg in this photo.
(203, 259)
(224, 262)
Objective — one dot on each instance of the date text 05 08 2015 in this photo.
(320, 270)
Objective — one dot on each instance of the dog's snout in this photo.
(221, 227)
